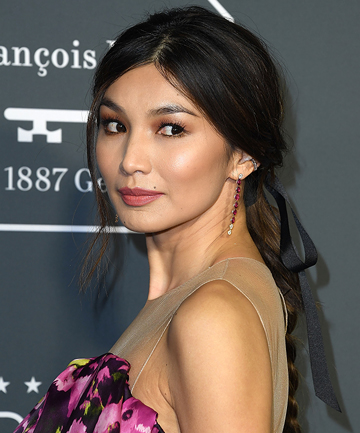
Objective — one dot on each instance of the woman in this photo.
(185, 129)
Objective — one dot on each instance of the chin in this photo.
(151, 223)
(149, 229)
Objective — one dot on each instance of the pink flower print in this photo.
(103, 374)
(77, 427)
(65, 380)
(139, 416)
(109, 419)
(141, 428)
(76, 393)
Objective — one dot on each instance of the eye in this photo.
(112, 126)
(171, 129)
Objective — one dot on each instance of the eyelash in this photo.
(172, 124)
(105, 122)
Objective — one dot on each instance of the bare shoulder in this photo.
(217, 341)
(219, 304)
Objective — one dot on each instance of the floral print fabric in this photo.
(91, 396)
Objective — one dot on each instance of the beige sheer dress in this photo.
(253, 280)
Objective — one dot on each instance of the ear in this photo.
(242, 163)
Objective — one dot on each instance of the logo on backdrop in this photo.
(40, 117)
(32, 386)
(60, 58)
(73, 57)
(44, 178)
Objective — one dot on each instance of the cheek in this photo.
(183, 167)
(197, 173)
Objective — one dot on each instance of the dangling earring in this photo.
(116, 218)
(236, 204)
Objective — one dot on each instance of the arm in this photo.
(219, 371)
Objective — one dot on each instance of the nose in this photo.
(135, 156)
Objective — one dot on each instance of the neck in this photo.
(178, 254)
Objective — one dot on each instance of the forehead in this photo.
(146, 87)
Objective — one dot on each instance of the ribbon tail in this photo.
(291, 260)
(320, 373)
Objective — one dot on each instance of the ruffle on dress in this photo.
(91, 396)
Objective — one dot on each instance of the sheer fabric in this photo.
(253, 280)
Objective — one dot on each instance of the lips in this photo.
(138, 196)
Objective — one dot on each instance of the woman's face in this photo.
(163, 164)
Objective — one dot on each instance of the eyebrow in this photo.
(112, 105)
(160, 111)
(170, 109)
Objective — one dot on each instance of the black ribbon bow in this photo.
(290, 258)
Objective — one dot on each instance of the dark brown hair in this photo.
(228, 73)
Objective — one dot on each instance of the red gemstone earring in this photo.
(236, 204)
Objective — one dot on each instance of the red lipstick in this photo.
(138, 196)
